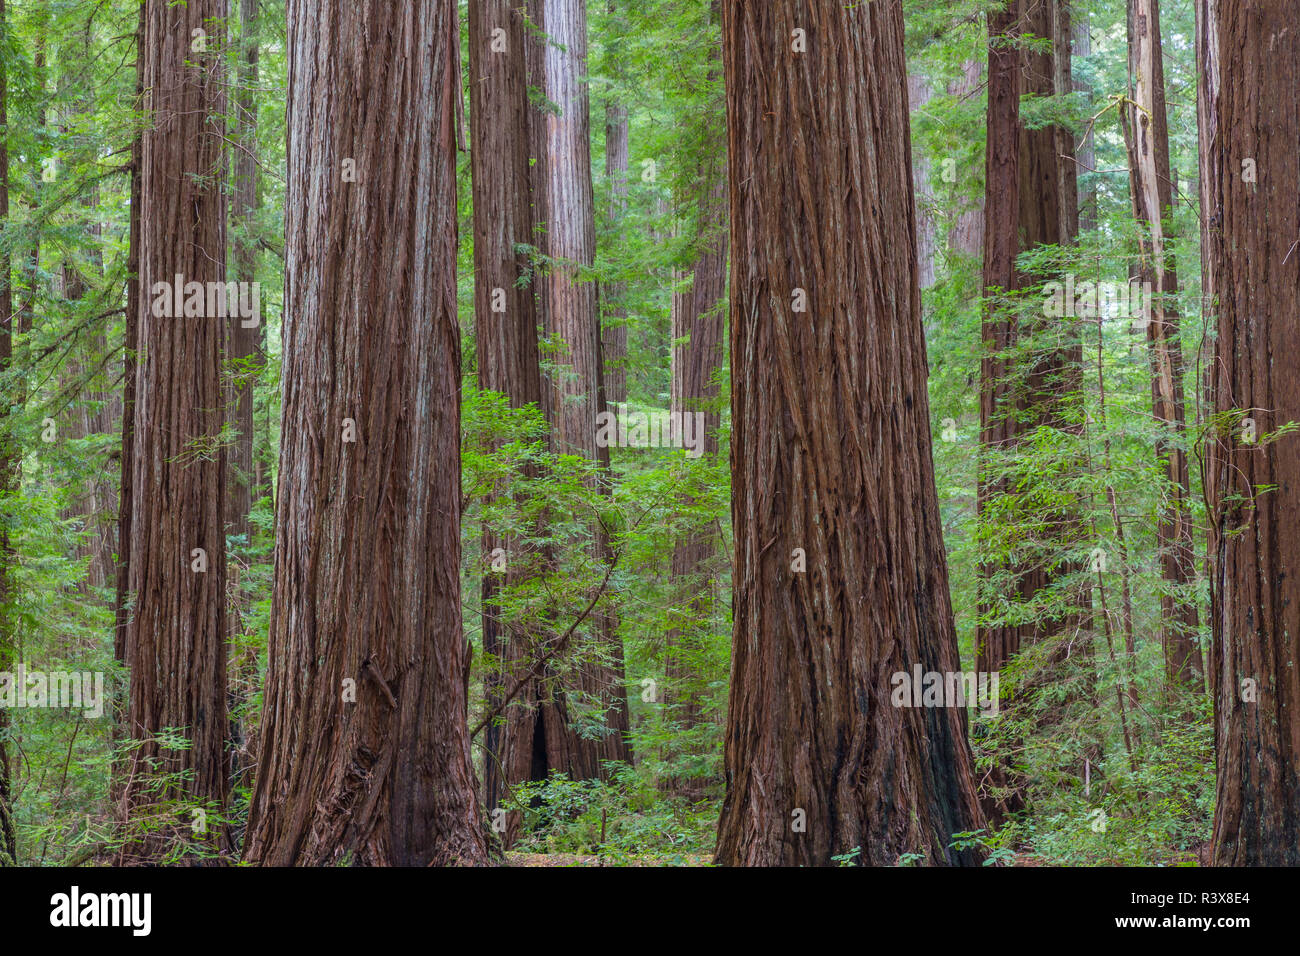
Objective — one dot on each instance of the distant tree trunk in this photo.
(130, 345)
(698, 327)
(1086, 150)
(967, 233)
(831, 456)
(1255, 514)
(569, 311)
(996, 644)
(918, 95)
(505, 331)
(243, 353)
(9, 464)
(1147, 136)
(244, 361)
(1031, 200)
(614, 336)
(365, 753)
(176, 636)
(1211, 209)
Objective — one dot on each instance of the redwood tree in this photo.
(564, 211)
(839, 569)
(505, 336)
(175, 638)
(365, 751)
(1256, 474)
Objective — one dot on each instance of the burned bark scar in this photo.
(369, 670)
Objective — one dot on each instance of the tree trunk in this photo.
(967, 233)
(244, 361)
(1086, 149)
(130, 366)
(365, 747)
(831, 456)
(1031, 200)
(9, 464)
(1257, 275)
(243, 352)
(614, 336)
(505, 330)
(918, 95)
(1147, 136)
(569, 312)
(176, 637)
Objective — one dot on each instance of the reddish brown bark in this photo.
(563, 199)
(831, 454)
(175, 637)
(1256, 508)
(243, 352)
(1030, 200)
(365, 749)
(506, 344)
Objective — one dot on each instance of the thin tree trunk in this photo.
(243, 353)
(505, 332)
(244, 361)
(9, 464)
(614, 335)
(831, 456)
(365, 752)
(1147, 140)
(1256, 510)
(918, 95)
(967, 233)
(176, 637)
(1085, 151)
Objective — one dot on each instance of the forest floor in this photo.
(581, 859)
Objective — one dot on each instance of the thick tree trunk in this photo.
(1147, 136)
(569, 312)
(176, 636)
(365, 750)
(831, 455)
(1256, 622)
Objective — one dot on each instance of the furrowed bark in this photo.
(831, 454)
